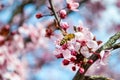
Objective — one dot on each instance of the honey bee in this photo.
(66, 38)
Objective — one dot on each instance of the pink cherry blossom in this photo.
(82, 45)
(90, 61)
(92, 44)
(72, 59)
(59, 55)
(79, 36)
(38, 15)
(81, 70)
(64, 25)
(85, 51)
(72, 5)
(66, 62)
(73, 68)
(63, 14)
(65, 46)
(1, 38)
(73, 52)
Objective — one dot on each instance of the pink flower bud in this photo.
(63, 14)
(49, 32)
(59, 55)
(81, 70)
(72, 59)
(68, 6)
(65, 62)
(74, 53)
(64, 25)
(90, 61)
(83, 43)
(64, 46)
(73, 68)
(39, 15)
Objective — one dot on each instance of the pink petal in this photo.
(104, 54)
(81, 70)
(74, 6)
(84, 50)
(67, 54)
(1, 38)
(92, 44)
(88, 35)
(64, 25)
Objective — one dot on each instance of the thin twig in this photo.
(56, 17)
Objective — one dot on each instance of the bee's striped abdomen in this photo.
(67, 38)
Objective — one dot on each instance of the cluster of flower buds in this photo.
(75, 50)
(71, 5)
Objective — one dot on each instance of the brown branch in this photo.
(96, 78)
(54, 12)
(82, 1)
(109, 44)
(57, 18)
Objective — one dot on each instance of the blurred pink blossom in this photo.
(72, 5)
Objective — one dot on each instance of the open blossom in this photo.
(77, 49)
(72, 5)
